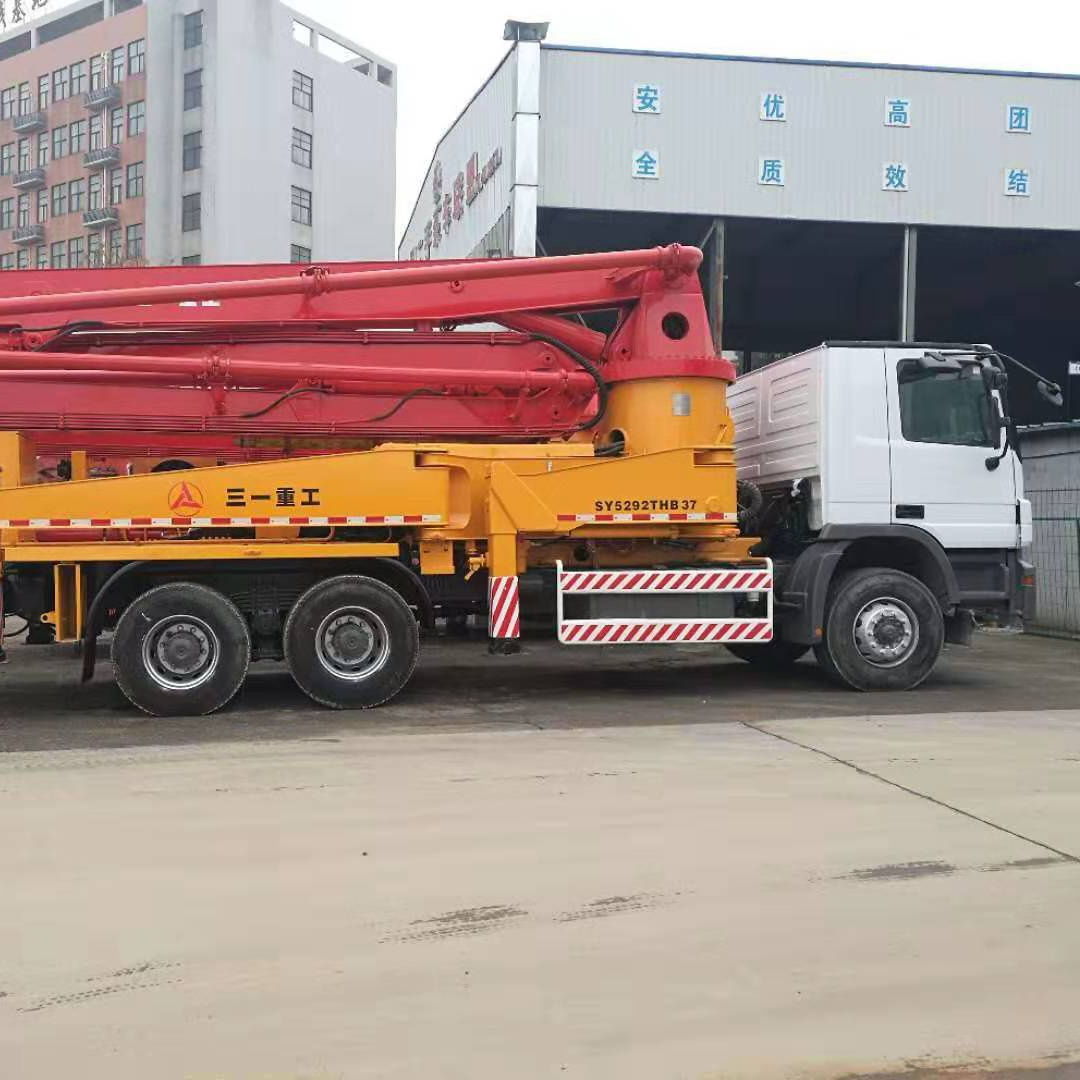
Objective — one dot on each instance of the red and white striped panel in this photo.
(504, 609)
(631, 518)
(654, 581)
(662, 631)
(214, 522)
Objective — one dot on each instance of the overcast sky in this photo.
(445, 50)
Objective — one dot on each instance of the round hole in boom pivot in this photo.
(675, 325)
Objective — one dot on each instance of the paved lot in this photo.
(602, 865)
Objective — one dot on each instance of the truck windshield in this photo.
(944, 406)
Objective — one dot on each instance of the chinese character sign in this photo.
(771, 171)
(897, 112)
(894, 176)
(647, 99)
(1017, 181)
(773, 106)
(1018, 119)
(645, 165)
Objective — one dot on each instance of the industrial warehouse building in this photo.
(832, 200)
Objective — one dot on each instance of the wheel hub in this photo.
(886, 632)
(352, 643)
(181, 652)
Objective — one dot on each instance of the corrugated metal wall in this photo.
(710, 139)
(1052, 483)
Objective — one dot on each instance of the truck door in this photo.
(942, 428)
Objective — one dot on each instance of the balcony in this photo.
(104, 157)
(28, 122)
(104, 97)
(100, 218)
(29, 179)
(25, 235)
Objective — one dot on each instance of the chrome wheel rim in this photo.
(352, 643)
(181, 652)
(886, 632)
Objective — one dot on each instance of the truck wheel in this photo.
(181, 650)
(351, 642)
(883, 631)
(773, 655)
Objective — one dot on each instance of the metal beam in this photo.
(908, 265)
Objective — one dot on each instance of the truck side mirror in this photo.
(1051, 392)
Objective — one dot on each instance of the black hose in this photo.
(586, 365)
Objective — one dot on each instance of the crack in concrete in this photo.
(911, 791)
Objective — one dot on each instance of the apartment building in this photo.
(187, 131)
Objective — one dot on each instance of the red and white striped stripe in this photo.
(631, 518)
(662, 631)
(679, 581)
(215, 522)
(504, 609)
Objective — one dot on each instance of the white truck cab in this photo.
(891, 464)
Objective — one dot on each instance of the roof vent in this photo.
(524, 31)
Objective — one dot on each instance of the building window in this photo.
(60, 142)
(24, 210)
(7, 213)
(193, 90)
(136, 178)
(97, 131)
(25, 100)
(116, 64)
(24, 155)
(7, 261)
(136, 114)
(76, 253)
(7, 103)
(116, 247)
(96, 191)
(60, 84)
(192, 260)
(301, 148)
(95, 256)
(78, 78)
(22, 259)
(134, 247)
(116, 186)
(78, 136)
(59, 200)
(97, 72)
(7, 158)
(137, 57)
(77, 196)
(192, 151)
(193, 30)
(43, 85)
(191, 218)
(43, 149)
(41, 257)
(299, 254)
(42, 205)
(117, 124)
(303, 91)
(301, 205)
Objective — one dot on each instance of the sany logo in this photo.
(185, 499)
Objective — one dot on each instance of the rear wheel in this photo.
(181, 650)
(774, 655)
(351, 643)
(883, 631)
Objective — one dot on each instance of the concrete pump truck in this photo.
(219, 465)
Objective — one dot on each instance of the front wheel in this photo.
(351, 642)
(883, 631)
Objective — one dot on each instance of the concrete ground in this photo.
(613, 863)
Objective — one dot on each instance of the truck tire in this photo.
(774, 655)
(883, 631)
(351, 642)
(181, 650)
